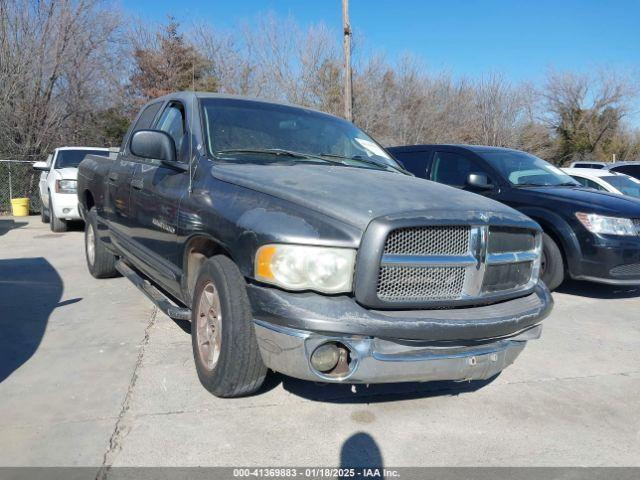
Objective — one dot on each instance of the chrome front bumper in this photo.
(374, 360)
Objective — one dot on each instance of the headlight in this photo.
(607, 225)
(537, 263)
(298, 267)
(66, 186)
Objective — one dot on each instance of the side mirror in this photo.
(479, 181)
(154, 144)
(41, 166)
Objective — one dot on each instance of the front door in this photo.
(157, 190)
(454, 168)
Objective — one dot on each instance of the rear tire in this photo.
(552, 269)
(100, 261)
(57, 225)
(225, 348)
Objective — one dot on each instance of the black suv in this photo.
(588, 235)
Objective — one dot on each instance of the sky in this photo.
(520, 39)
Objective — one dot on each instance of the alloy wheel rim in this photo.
(91, 247)
(209, 326)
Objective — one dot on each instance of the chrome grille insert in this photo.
(399, 284)
(437, 240)
(437, 263)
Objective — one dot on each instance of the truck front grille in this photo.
(505, 239)
(436, 240)
(445, 263)
(506, 276)
(636, 222)
(399, 284)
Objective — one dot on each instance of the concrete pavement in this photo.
(91, 374)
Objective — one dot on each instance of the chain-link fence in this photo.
(18, 179)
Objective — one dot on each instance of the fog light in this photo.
(325, 357)
(66, 210)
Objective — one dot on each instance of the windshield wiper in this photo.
(358, 158)
(272, 151)
(568, 184)
(565, 184)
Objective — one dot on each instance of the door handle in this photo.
(137, 183)
(113, 177)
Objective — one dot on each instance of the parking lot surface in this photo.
(91, 374)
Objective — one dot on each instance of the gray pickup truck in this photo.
(292, 241)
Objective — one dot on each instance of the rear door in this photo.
(118, 205)
(417, 162)
(157, 190)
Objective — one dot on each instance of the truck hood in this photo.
(591, 201)
(357, 195)
(66, 173)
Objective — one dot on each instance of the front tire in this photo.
(57, 225)
(44, 216)
(225, 348)
(552, 267)
(100, 261)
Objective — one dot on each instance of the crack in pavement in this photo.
(123, 424)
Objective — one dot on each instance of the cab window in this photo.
(172, 121)
(145, 120)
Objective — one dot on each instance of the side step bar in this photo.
(156, 296)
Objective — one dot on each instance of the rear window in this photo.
(596, 166)
(72, 158)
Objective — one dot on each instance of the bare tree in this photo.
(165, 61)
(585, 110)
(56, 60)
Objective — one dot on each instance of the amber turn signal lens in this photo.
(263, 261)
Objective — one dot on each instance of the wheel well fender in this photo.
(560, 231)
(197, 250)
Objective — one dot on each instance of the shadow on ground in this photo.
(375, 393)
(30, 289)
(360, 450)
(598, 290)
(7, 224)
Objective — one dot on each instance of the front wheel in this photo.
(225, 348)
(44, 216)
(57, 225)
(552, 263)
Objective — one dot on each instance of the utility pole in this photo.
(348, 90)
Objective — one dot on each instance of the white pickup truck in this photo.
(58, 184)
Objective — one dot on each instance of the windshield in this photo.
(523, 169)
(251, 128)
(72, 158)
(626, 185)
